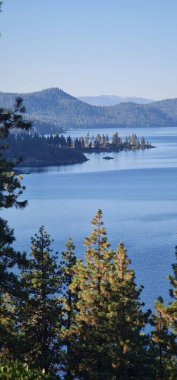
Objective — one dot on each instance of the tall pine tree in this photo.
(91, 285)
(68, 301)
(40, 311)
(163, 345)
(164, 336)
(127, 342)
(110, 319)
(171, 311)
(10, 189)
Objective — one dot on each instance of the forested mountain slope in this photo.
(53, 109)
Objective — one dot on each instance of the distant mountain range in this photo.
(52, 109)
(112, 100)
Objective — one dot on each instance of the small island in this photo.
(56, 150)
(108, 158)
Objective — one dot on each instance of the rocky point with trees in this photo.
(60, 150)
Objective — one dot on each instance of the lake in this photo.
(137, 192)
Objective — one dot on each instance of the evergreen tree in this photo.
(40, 310)
(171, 311)
(63, 141)
(69, 141)
(115, 139)
(164, 336)
(10, 189)
(10, 291)
(90, 283)
(10, 183)
(127, 344)
(163, 345)
(110, 318)
(77, 144)
(68, 301)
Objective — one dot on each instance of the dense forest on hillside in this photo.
(53, 110)
(35, 150)
(63, 317)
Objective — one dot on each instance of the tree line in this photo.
(36, 150)
(23, 141)
(76, 319)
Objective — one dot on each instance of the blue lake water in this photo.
(137, 192)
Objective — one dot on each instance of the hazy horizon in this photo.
(77, 96)
(87, 49)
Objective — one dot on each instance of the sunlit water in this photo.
(137, 192)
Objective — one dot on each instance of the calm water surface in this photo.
(137, 192)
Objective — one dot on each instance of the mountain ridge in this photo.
(52, 110)
(110, 100)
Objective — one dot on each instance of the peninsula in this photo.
(56, 150)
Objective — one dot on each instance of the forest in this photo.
(35, 150)
(66, 318)
(52, 150)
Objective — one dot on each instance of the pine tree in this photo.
(40, 311)
(68, 301)
(127, 344)
(10, 189)
(10, 290)
(110, 318)
(90, 283)
(10, 183)
(164, 336)
(171, 311)
(163, 345)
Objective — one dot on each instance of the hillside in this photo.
(53, 109)
(39, 151)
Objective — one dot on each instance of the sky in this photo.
(90, 47)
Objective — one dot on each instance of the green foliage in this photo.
(10, 183)
(13, 370)
(69, 310)
(163, 345)
(10, 189)
(164, 335)
(171, 310)
(39, 312)
(110, 319)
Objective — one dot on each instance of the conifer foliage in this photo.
(40, 309)
(10, 189)
(163, 345)
(83, 319)
(10, 183)
(110, 319)
(171, 310)
(68, 301)
(164, 335)
(91, 284)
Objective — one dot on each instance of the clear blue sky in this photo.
(90, 47)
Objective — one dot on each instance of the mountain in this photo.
(52, 109)
(112, 100)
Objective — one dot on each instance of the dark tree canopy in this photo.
(10, 183)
